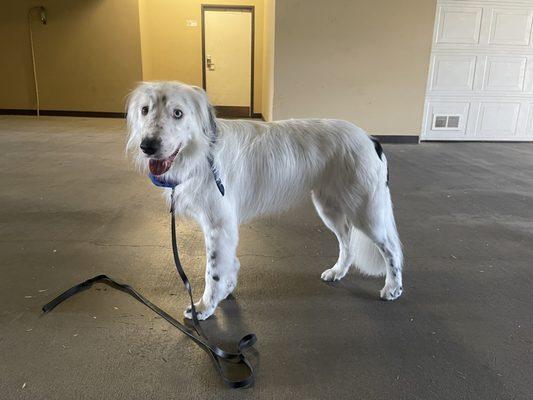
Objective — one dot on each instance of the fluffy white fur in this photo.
(267, 168)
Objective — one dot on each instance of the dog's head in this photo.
(170, 125)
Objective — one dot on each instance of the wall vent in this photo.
(446, 122)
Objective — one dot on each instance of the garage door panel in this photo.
(510, 27)
(453, 72)
(504, 73)
(458, 24)
(529, 126)
(497, 119)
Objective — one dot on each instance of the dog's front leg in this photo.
(222, 266)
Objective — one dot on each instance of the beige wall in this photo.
(88, 56)
(269, 21)
(361, 60)
(173, 51)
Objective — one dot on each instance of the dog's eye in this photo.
(144, 110)
(177, 114)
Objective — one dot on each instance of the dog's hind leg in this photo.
(376, 220)
(334, 218)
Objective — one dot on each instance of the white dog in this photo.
(265, 168)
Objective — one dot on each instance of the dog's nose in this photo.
(150, 146)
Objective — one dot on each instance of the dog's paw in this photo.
(391, 291)
(202, 311)
(333, 274)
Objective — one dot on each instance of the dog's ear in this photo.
(134, 124)
(206, 113)
(133, 115)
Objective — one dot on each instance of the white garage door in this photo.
(480, 84)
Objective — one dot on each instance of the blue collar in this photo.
(161, 182)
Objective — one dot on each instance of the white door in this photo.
(480, 84)
(228, 59)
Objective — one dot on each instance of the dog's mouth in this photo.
(160, 166)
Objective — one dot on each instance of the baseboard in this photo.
(232, 111)
(398, 139)
(90, 114)
(475, 141)
(62, 113)
(236, 112)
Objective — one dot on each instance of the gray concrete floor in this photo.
(71, 207)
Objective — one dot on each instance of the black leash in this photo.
(196, 334)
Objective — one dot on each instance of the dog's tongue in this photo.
(159, 167)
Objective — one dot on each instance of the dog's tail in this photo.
(367, 257)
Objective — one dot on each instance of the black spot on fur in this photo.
(377, 146)
(216, 278)
(212, 121)
(213, 255)
(211, 130)
(379, 151)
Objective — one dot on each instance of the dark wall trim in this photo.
(401, 139)
(12, 111)
(220, 7)
(63, 113)
(477, 141)
(104, 114)
(232, 111)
